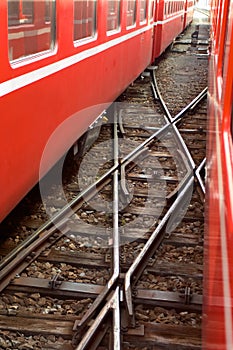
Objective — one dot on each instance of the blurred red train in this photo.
(218, 299)
(60, 57)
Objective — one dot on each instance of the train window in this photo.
(152, 4)
(131, 13)
(48, 12)
(142, 11)
(20, 12)
(31, 27)
(113, 15)
(169, 8)
(84, 19)
(224, 39)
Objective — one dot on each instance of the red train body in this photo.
(69, 58)
(171, 18)
(218, 299)
(59, 57)
(188, 14)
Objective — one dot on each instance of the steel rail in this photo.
(54, 220)
(170, 122)
(66, 210)
(11, 260)
(34, 247)
(174, 120)
(183, 180)
(189, 163)
(123, 171)
(202, 96)
(27, 247)
(155, 93)
(203, 11)
(158, 96)
(120, 122)
(198, 176)
(137, 151)
(113, 304)
(115, 239)
(149, 244)
(190, 106)
(187, 160)
(184, 147)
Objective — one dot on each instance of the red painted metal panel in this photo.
(31, 113)
(218, 277)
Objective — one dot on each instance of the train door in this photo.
(158, 17)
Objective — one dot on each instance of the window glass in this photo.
(84, 19)
(152, 9)
(20, 12)
(31, 27)
(224, 38)
(113, 15)
(131, 12)
(142, 10)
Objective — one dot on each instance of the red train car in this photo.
(59, 57)
(68, 60)
(188, 12)
(218, 300)
(169, 22)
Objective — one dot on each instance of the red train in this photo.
(218, 300)
(61, 57)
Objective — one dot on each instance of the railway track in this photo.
(121, 265)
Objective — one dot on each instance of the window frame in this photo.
(118, 20)
(135, 14)
(86, 39)
(145, 11)
(151, 10)
(40, 54)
